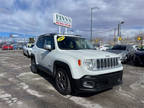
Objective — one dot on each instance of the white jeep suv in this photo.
(74, 64)
(27, 49)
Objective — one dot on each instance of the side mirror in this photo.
(47, 47)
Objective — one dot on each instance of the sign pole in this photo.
(62, 21)
(59, 29)
(65, 30)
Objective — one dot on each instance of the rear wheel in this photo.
(62, 81)
(33, 65)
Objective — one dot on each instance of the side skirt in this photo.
(44, 69)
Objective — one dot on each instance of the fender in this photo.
(32, 55)
(61, 64)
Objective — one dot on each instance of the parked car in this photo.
(96, 46)
(74, 64)
(1, 44)
(135, 47)
(15, 46)
(7, 47)
(20, 46)
(122, 50)
(105, 47)
(136, 57)
(27, 49)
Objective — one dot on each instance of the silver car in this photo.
(122, 50)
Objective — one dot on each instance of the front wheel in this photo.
(62, 81)
(28, 55)
(24, 53)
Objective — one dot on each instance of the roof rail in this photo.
(52, 34)
(69, 34)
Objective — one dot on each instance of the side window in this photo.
(40, 42)
(49, 41)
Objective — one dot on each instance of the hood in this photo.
(29, 48)
(116, 51)
(139, 52)
(88, 54)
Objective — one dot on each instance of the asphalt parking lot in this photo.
(20, 88)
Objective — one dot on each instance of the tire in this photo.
(28, 54)
(24, 53)
(136, 61)
(34, 68)
(62, 82)
(139, 61)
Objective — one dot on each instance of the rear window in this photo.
(119, 47)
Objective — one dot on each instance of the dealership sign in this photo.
(62, 20)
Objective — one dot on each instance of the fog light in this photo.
(88, 84)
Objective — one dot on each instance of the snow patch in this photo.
(25, 66)
(8, 98)
(19, 103)
(142, 81)
(36, 79)
(125, 93)
(142, 101)
(2, 74)
(134, 86)
(17, 67)
(26, 73)
(85, 103)
(51, 88)
(33, 92)
(139, 83)
(30, 91)
(5, 95)
(24, 86)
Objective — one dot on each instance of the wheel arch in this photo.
(33, 56)
(60, 64)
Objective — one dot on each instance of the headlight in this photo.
(122, 55)
(90, 64)
(119, 60)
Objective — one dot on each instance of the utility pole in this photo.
(119, 30)
(91, 25)
(92, 21)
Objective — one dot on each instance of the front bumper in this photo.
(98, 83)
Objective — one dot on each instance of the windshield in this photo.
(73, 43)
(119, 47)
(30, 46)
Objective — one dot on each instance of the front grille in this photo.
(107, 63)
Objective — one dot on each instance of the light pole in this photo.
(92, 20)
(115, 35)
(119, 30)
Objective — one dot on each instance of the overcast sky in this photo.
(35, 16)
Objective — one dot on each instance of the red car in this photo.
(7, 47)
